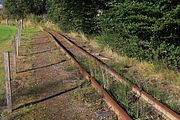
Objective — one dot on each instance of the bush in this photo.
(76, 15)
(143, 29)
(166, 54)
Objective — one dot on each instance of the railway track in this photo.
(132, 101)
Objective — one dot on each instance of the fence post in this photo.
(14, 53)
(17, 43)
(21, 23)
(6, 21)
(20, 32)
(19, 36)
(8, 81)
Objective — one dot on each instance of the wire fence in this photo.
(11, 70)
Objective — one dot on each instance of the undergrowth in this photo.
(120, 92)
(158, 81)
(165, 54)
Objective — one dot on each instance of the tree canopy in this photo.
(19, 9)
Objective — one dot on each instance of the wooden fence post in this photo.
(6, 21)
(21, 23)
(19, 35)
(20, 30)
(8, 81)
(17, 43)
(14, 53)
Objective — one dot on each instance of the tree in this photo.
(149, 29)
(19, 9)
(16, 9)
(77, 15)
(37, 7)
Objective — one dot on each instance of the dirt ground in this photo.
(49, 87)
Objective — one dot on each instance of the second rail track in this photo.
(162, 109)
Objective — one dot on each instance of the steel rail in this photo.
(142, 94)
(121, 114)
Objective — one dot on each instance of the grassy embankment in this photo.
(6, 33)
(162, 83)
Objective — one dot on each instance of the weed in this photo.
(146, 75)
(120, 92)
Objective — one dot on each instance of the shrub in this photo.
(143, 29)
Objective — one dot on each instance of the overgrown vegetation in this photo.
(147, 30)
(143, 29)
(20, 9)
(160, 83)
(122, 93)
(76, 15)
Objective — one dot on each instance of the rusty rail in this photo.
(121, 114)
(148, 98)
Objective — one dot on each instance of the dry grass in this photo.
(145, 69)
(158, 81)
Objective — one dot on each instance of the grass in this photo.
(162, 83)
(6, 33)
(120, 92)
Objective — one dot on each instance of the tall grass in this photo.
(162, 83)
(120, 92)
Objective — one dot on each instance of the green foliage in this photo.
(6, 32)
(167, 54)
(16, 9)
(146, 29)
(76, 15)
(167, 28)
(19, 9)
(143, 29)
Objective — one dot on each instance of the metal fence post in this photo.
(8, 81)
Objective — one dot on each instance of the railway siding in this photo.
(164, 112)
